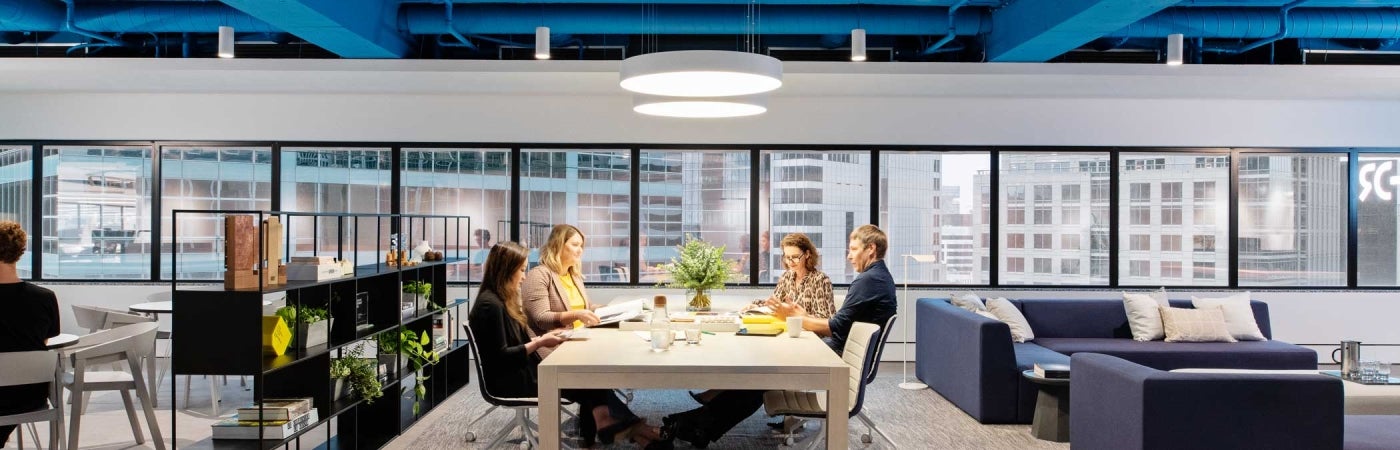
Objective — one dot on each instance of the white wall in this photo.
(820, 103)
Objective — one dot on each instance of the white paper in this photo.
(617, 312)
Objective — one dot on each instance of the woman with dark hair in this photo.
(30, 318)
(510, 356)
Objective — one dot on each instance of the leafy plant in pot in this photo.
(312, 325)
(417, 353)
(418, 293)
(353, 371)
(700, 268)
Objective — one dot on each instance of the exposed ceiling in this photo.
(1216, 31)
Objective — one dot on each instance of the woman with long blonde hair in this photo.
(553, 291)
(510, 354)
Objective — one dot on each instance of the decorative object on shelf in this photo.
(312, 324)
(240, 252)
(362, 311)
(275, 335)
(276, 409)
(232, 428)
(272, 270)
(417, 353)
(418, 293)
(700, 268)
(420, 253)
(313, 268)
(353, 372)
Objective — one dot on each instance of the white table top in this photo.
(716, 353)
(164, 307)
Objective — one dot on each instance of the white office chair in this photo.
(21, 368)
(521, 406)
(861, 348)
(128, 343)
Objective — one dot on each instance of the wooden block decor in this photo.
(275, 335)
(272, 250)
(240, 252)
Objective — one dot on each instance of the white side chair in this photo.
(128, 343)
(21, 368)
(860, 352)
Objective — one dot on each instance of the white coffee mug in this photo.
(794, 326)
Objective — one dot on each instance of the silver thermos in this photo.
(1350, 358)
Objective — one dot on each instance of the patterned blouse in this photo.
(813, 293)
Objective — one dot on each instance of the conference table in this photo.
(617, 359)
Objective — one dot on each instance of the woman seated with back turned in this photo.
(510, 354)
(30, 319)
(802, 285)
(553, 291)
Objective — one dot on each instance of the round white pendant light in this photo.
(700, 108)
(701, 73)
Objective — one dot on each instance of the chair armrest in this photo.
(1117, 404)
(968, 359)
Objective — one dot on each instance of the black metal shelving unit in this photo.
(220, 331)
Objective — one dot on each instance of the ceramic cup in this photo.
(794, 326)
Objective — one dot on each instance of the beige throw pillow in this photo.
(968, 301)
(1007, 313)
(1239, 316)
(1145, 315)
(1195, 325)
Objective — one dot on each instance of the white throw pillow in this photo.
(1195, 325)
(988, 314)
(1145, 315)
(968, 301)
(1007, 312)
(1239, 316)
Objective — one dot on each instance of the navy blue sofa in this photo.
(971, 361)
(1119, 405)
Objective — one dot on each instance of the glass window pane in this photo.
(1067, 174)
(589, 189)
(459, 182)
(1378, 249)
(97, 212)
(1293, 220)
(1163, 213)
(16, 198)
(701, 193)
(337, 180)
(822, 194)
(937, 204)
(208, 178)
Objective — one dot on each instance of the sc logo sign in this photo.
(1373, 178)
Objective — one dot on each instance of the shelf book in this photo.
(220, 328)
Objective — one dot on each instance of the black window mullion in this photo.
(1113, 206)
(276, 201)
(994, 221)
(755, 163)
(1234, 214)
(1353, 218)
(875, 189)
(36, 208)
(515, 173)
(635, 228)
(156, 188)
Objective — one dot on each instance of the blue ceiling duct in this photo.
(127, 17)
(686, 19)
(1260, 23)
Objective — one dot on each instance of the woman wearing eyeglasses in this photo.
(802, 283)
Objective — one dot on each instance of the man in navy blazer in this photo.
(871, 299)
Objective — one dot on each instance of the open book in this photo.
(619, 311)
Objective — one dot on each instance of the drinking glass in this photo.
(1383, 371)
(692, 335)
(1368, 371)
(661, 340)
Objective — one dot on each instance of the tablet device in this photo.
(759, 332)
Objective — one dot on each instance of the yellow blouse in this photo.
(575, 299)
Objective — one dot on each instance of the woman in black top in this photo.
(31, 317)
(510, 359)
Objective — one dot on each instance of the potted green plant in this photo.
(353, 372)
(310, 325)
(417, 353)
(417, 293)
(699, 269)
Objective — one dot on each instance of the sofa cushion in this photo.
(1371, 432)
(1100, 318)
(1177, 355)
(1195, 325)
(1007, 312)
(1028, 354)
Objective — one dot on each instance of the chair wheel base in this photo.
(866, 439)
(470, 437)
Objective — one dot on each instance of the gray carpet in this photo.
(913, 419)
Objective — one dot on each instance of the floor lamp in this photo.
(906, 384)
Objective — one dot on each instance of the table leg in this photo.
(838, 408)
(1051, 420)
(549, 407)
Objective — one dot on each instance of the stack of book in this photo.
(277, 419)
(1057, 371)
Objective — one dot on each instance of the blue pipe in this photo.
(121, 17)
(478, 19)
(952, 30)
(71, 28)
(1282, 33)
(1258, 23)
(462, 40)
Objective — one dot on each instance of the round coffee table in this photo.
(1051, 421)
